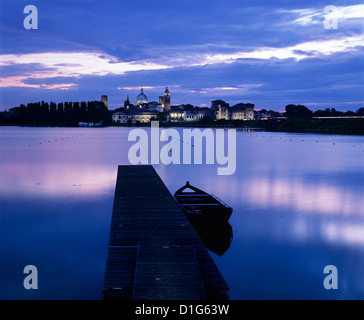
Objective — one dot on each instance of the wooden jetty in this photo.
(154, 251)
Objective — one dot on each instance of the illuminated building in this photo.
(104, 100)
(141, 99)
(134, 116)
(241, 111)
(165, 100)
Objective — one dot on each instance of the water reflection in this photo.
(57, 179)
(298, 210)
(298, 206)
(344, 232)
(209, 216)
(299, 195)
(216, 237)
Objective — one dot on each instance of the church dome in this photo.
(141, 98)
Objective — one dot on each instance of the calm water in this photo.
(297, 198)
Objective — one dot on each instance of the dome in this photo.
(141, 98)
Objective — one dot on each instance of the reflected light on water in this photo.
(55, 180)
(303, 197)
(298, 206)
(348, 233)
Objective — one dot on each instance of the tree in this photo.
(298, 111)
(274, 113)
(349, 113)
(53, 114)
(76, 113)
(60, 115)
(83, 112)
(360, 112)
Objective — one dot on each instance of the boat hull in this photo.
(208, 215)
(201, 207)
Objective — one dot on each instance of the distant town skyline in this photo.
(268, 54)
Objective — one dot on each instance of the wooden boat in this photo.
(201, 207)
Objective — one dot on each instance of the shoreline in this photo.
(290, 125)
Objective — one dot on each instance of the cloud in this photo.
(159, 88)
(298, 52)
(270, 53)
(67, 64)
(222, 91)
(310, 16)
(78, 64)
(21, 82)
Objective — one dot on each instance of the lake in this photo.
(297, 199)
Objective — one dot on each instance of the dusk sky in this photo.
(270, 53)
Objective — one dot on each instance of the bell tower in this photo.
(165, 100)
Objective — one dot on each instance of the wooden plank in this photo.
(168, 273)
(145, 214)
(120, 272)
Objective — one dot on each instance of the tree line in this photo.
(300, 111)
(67, 114)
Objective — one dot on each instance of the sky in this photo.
(270, 53)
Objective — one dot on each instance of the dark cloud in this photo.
(23, 69)
(168, 32)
